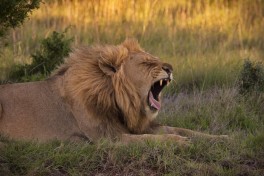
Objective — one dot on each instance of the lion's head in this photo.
(117, 82)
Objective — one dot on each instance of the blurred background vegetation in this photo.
(205, 41)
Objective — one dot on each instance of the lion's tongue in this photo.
(154, 103)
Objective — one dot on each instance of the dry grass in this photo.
(192, 35)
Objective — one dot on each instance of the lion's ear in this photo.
(131, 44)
(107, 68)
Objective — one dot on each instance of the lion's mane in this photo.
(93, 78)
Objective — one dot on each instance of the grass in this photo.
(236, 157)
(215, 111)
(205, 41)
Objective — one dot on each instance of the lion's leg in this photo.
(185, 132)
(131, 138)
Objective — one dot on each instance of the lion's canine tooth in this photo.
(161, 82)
(168, 82)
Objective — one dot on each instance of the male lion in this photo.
(99, 92)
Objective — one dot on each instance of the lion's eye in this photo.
(149, 65)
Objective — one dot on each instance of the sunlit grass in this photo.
(197, 37)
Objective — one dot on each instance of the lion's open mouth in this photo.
(156, 88)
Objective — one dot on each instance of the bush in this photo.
(251, 77)
(51, 53)
(14, 12)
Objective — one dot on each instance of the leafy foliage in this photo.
(251, 77)
(51, 53)
(13, 12)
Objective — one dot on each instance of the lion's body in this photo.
(102, 91)
(34, 111)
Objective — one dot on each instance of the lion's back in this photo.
(34, 111)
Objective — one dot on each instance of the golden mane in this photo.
(94, 80)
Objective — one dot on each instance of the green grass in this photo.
(216, 111)
(205, 41)
(242, 155)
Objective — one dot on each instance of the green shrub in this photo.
(51, 53)
(251, 77)
(14, 12)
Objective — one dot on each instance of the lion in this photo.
(98, 92)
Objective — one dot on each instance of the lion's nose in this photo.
(167, 68)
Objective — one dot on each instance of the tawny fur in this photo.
(108, 95)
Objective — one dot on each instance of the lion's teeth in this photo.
(168, 82)
(161, 82)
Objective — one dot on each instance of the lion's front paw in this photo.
(219, 137)
(179, 139)
(224, 137)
